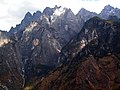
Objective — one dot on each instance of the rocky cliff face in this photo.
(40, 41)
(44, 41)
(85, 14)
(109, 11)
(87, 73)
(93, 61)
(11, 77)
(101, 32)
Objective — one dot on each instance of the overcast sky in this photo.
(13, 11)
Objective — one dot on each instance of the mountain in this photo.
(46, 40)
(41, 36)
(109, 11)
(95, 29)
(24, 23)
(93, 59)
(3, 38)
(11, 76)
(85, 14)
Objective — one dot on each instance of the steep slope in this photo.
(93, 60)
(11, 77)
(109, 11)
(87, 73)
(33, 48)
(85, 14)
(15, 32)
(37, 41)
(41, 41)
(105, 34)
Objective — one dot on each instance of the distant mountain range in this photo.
(58, 50)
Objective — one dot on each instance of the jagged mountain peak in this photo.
(36, 15)
(35, 43)
(48, 11)
(85, 14)
(108, 7)
(28, 14)
(57, 7)
(57, 10)
(109, 11)
(83, 10)
(28, 17)
(37, 12)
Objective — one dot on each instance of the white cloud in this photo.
(13, 11)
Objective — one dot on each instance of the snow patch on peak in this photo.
(59, 11)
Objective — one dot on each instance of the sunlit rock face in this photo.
(36, 42)
(43, 41)
(3, 38)
(4, 42)
(44, 34)
(93, 59)
(40, 41)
